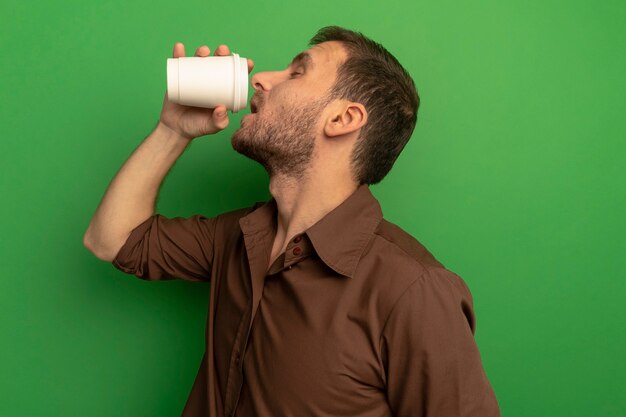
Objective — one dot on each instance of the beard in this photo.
(283, 143)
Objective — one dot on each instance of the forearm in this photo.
(131, 196)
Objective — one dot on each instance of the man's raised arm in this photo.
(131, 196)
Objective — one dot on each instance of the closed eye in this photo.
(295, 73)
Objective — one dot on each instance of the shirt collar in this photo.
(339, 238)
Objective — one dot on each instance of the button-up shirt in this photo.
(355, 318)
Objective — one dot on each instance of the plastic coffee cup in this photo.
(208, 81)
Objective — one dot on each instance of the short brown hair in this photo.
(373, 77)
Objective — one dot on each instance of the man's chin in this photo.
(240, 140)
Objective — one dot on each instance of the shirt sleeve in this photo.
(163, 248)
(432, 363)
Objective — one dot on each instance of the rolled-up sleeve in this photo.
(163, 248)
(432, 363)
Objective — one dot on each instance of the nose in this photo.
(265, 81)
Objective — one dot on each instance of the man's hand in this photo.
(192, 122)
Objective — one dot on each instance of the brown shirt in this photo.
(356, 318)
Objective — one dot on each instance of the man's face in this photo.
(287, 107)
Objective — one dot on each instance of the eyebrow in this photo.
(303, 58)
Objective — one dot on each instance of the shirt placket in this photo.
(235, 370)
(297, 249)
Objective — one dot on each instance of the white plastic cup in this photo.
(208, 81)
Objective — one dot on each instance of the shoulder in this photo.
(400, 254)
(405, 244)
(226, 224)
(229, 219)
(411, 266)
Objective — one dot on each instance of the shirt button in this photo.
(297, 250)
(297, 239)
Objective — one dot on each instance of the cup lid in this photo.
(236, 83)
(173, 87)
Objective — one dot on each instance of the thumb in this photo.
(220, 118)
(219, 112)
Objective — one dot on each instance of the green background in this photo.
(514, 179)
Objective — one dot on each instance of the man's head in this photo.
(343, 105)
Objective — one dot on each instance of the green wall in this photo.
(514, 179)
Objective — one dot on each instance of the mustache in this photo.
(256, 102)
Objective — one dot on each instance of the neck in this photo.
(302, 203)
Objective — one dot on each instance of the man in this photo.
(318, 305)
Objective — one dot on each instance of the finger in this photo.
(250, 65)
(219, 109)
(179, 50)
(220, 117)
(222, 50)
(203, 51)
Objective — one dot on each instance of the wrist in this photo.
(166, 130)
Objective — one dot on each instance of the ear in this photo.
(348, 117)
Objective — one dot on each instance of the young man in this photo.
(318, 305)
